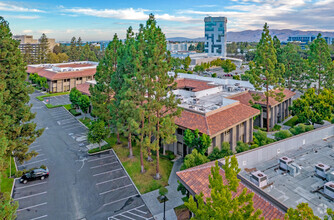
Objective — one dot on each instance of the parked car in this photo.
(38, 173)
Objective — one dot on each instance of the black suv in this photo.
(38, 173)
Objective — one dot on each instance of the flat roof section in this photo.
(304, 187)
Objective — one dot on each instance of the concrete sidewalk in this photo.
(174, 196)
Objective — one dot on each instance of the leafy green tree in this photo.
(75, 95)
(97, 132)
(236, 77)
(79, 43)
(15, 113)
(301, 128)
(43, 49)
(199, 68)
(186, 62)
(163, 104)
(228, 66)
(218, 154)
(84, 103)
(280, 135)
(303, 211)
(205, 143)
(87, 54)
(200, 47)
(222, 197)
(42, 81)
(191, 47)
(232, 48)
(57, 49)
(264, 72)
(7, 207)
(320, 64)
(313, 108)
(194, 139)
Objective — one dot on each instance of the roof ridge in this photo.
(199, 167)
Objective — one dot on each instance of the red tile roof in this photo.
(84, 88)
(197, 179)
(196, 85)
(216, 122)
(51, 75)
(245, 97)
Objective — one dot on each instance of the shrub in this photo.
(217, 154)
(260, 138)
(214, 75)
(74, 112)
(276, 128)
(332, 121)
(301, 128)
(282, 134)
(169, 155)
(97, 149)
(163, 191)
(190, 72)
(236, 77)
(241, 147)
(19, 173)
(254, 146)
(39, 98)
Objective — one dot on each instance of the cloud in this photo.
(129, 14)
(29, 17)
(27, 31)
(11, 7)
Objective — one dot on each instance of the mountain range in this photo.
(255, 35)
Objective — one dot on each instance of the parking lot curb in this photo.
(92, 154)
(11, 193)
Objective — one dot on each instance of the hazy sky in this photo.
(100, 19)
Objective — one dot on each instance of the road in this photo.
(79, 186)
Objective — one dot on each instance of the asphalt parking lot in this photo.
(79, 186)
(57, 100)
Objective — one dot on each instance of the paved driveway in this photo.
(79, 186)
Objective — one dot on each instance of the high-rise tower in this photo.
(215, 36)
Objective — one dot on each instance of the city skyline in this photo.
(100, 20)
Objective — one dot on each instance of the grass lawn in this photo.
(144, 182)
(85, 121)
(7, 183)
(41, 98)
(292, 122)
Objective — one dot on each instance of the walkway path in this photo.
(174, 196)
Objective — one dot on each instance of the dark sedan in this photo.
(38, 173)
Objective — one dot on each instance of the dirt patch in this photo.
(182, 214)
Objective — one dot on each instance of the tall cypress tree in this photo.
(87, 54)
(265, 73)
(320, 64)
(79, 49)
(17, 131)
(43, 49)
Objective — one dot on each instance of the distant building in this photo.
(26, 40)
(304, 40)
(176, 47)
(62, 77)
(215, 36)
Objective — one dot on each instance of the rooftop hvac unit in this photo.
(321, 169)
(330, 176)
(260, 179)
(237, 84)
(284, 162)
(329, 189)
(294, 169)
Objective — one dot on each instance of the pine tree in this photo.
(73, 51)
(16, 130)
(239, 206)
(87, 54)
(163, 105)
(43, 49)
(79, 43)
(320, 64)
(264, 72)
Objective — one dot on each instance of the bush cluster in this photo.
(301, 128)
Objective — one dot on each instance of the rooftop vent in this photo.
(259, 178)
(321, 169)
(294, 169)
(330, 176)
(237, 84)
(284, 162)
(329, 189)
(201, 109)
(191, 106)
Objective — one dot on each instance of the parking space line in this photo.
(37, 194)
(141, 210)
(23, 187)
(39, 155)
(34, 206)
(136, 215)
(69, 121)
(112, 190)
(30, 147)
(110, 171)
(109, 203)
(32, 162)
(100, 158)
(75, 127)
(106, 164)
(107, 181)
(136, 208)
(127, 217)
(44, 216)
(69, 125)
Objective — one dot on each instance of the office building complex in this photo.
(307, 39)
(176, 47)
(215, 36)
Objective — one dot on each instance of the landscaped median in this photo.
(41, 98)
(6, 181)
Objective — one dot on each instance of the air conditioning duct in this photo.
(284, 162)
(259, 178)
(294, 169)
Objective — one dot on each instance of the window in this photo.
(179, 131)
(66, 88)
(66, 80)
(222, 137)
(214, 142)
